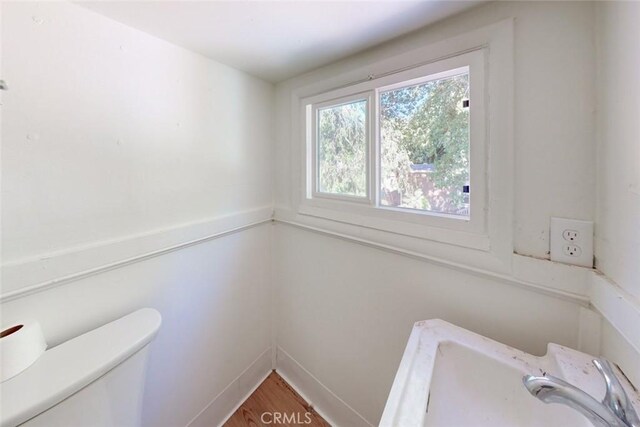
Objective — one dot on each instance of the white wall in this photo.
(112, 137)
(554, 109)
(345, 311)
(216, 318)
(617, 244)
(109, 134)
(618, 214)
(360, 302)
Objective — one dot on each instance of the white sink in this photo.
(450, 376)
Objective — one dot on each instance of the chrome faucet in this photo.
(616, 409)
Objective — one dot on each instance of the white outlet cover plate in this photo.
(583, 240)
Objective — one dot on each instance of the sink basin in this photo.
(450, 376)
(470, 389)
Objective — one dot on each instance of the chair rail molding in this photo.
(35, 274)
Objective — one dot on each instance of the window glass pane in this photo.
(424, 144)
(342, 149)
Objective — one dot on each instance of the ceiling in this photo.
(275, 40)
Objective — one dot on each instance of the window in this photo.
(404, 152)
(403, 144)
(432, 192)
(424, 144)
(342, 149)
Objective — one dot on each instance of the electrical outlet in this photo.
(570, 235)
(572, 250)
(571, 241)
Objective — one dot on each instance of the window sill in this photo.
(375, 220)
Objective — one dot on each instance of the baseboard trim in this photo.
(227, 402)
(25, 277)
(330, 407)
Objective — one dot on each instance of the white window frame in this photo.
(312, 141)
(378, 141)
(367, 212)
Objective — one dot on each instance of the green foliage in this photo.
(342, 149)
(424, 125)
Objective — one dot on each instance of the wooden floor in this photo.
(275, 403)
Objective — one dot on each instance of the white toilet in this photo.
(94, 380)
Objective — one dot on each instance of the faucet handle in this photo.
(616, 398)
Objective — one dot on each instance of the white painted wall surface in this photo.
(216, 320)
(109, 134)
(166, 138)
(617, 242)
(342, 304)
(554, 110)
(345, 312)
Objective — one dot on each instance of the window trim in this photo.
(491, 250)
(414, 223)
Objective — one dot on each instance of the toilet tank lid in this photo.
(67, 368)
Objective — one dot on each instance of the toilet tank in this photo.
(94, 380)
